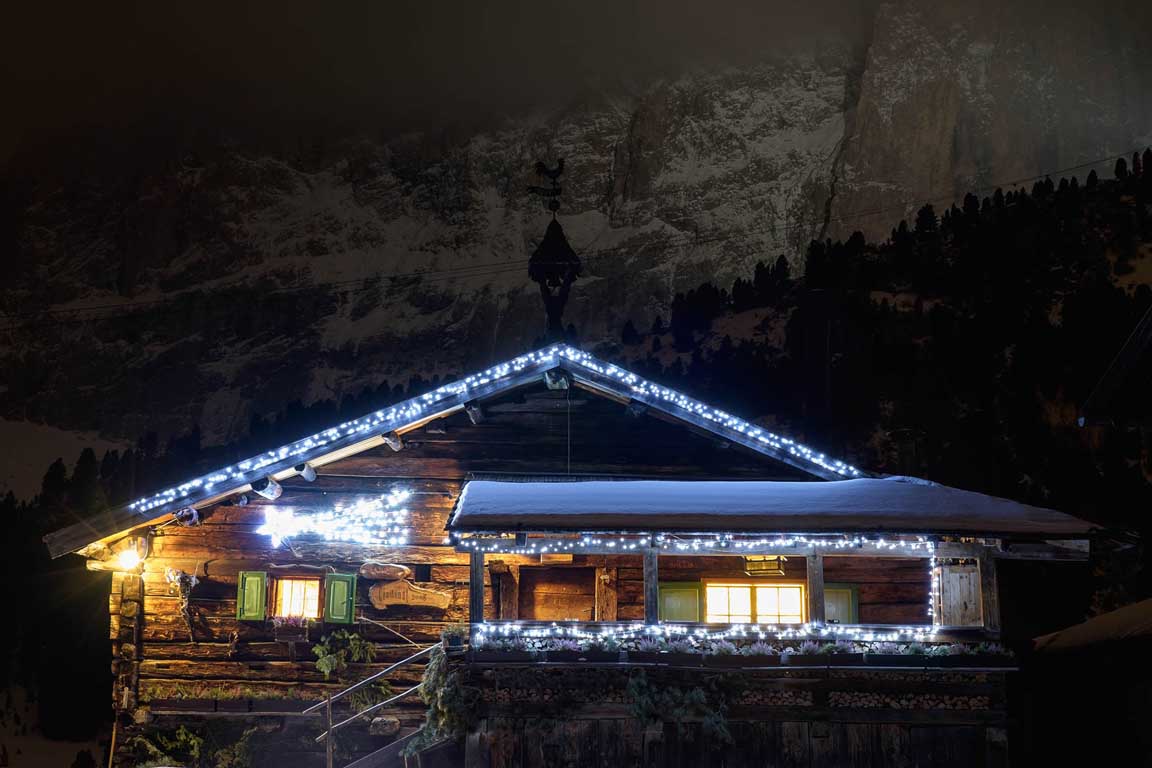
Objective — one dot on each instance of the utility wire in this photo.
(82, 314)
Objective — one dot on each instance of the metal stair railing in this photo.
(327, 703)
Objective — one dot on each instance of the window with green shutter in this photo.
(251, 595)
(339, 598)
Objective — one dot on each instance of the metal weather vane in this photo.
(554, 265)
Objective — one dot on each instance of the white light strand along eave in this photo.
(719, 543)
(234, 476)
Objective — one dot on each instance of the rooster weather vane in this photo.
(554, 265)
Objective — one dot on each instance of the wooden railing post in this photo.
(328, 752)
(476, 587)
(816, 589)
(651, 586)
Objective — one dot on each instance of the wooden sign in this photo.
(388, 593)
(375, 571)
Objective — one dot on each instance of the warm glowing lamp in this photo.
(128, 559)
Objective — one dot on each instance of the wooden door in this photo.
(960, 596)
(557, 594)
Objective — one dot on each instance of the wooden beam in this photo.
(509, 585)
(816, 588)
(651, 586)
(989, 593)
(606, 597)
(476, 588)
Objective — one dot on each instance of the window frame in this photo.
(752, 584)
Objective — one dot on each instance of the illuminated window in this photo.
(747, 602)
(298, 598)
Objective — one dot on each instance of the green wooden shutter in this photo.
(339, 598)
(251, 596)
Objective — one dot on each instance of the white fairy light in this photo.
(456, 394)
(668, 542)
(382, 520)
(701, 635)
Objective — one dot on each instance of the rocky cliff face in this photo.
(203, 285)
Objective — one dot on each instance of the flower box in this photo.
(601, 657)
(761, 660)
(991, 660)
(844, 659)
(970, 660)
(806, 659)
(502, 657)
(647, 657)
(683, 659)
(727, 660)
(950, 660)
(894, 659)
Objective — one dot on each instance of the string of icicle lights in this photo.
(671, 543)
(383, 520)
(461, 391)
(637, 631)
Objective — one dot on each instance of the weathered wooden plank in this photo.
(816, 588)
(651, 587)
(476, 587)
(509, 587)
(793, 744)
(606, 602)
(894, 745)
(282, 671)
(989, 593)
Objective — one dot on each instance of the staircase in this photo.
(437, 755)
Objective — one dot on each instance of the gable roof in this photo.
(352, 437)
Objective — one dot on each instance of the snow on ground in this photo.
(33, 447)
(22, 745)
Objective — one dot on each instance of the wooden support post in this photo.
(605, 594)
(651, 587)
(476, 587)
(509, 582)
(989, 593)
(816, 589)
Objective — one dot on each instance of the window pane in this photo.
(767, 603)
(790, 600)
(740, 601)
(298, 598)
(717, 603)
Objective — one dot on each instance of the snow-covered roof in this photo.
(351, 437)
(1132, 622)
(895, 504)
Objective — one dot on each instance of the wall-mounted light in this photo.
(307, 471)
(393, 441)
(268, 488)
(764, 565)
(132, 553)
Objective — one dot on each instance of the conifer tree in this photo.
(1121, 170)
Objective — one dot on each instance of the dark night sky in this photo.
(262, 65)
